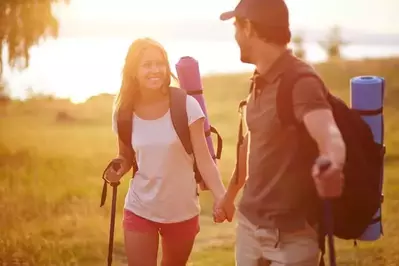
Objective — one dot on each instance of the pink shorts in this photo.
(185, 229)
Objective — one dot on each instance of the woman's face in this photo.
(152, 69)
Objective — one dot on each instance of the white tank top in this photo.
(164, 188)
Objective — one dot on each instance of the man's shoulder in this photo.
(303, 74)
(302, 67)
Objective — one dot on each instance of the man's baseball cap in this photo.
(273, 13)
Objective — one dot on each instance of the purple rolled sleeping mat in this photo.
(189, 76)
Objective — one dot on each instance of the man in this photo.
(277, 213)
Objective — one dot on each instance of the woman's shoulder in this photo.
(191, 100)
(192, 104)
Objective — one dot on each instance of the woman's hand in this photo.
(118, 168)
(224, 209)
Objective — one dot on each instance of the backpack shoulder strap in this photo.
(284, 100)
(252, 79)
(244, 102)
(178, 113)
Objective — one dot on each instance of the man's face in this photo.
(244, 40)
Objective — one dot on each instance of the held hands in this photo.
(327, 175)
(223, 209)
(328, 178)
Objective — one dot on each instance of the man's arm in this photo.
(238, 181)
(312, 108)
(226, 204)
(323, 129)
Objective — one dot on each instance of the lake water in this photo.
(81, 67)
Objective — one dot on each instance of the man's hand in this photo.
(328, 178)
(224, 209)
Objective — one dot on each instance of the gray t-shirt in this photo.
(275, 195)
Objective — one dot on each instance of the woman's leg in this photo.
(141, 240)
(177, 241)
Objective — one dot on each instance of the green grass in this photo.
(50, 176)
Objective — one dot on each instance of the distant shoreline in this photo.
(205, 30)
(78, 68)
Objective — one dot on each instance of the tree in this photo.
(299, 50)
(4, 94)
(333, 44)
(23, 23)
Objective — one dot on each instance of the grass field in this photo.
(50, 176)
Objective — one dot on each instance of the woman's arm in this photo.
(205, 163)
(124, 159)
(126, 155)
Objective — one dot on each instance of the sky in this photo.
(184, 27)
(363, 15)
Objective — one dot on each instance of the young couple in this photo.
(276, 215)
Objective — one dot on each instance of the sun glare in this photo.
(127, 10)
(77, 99)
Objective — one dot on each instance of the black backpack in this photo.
(179, 118)
(354, 211)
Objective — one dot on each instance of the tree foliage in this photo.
(4, 94)
(23, 23)
(333, 44)
(299, 49)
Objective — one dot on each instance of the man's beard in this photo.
(245, 55)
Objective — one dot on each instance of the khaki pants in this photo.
(269, 247)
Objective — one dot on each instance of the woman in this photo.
(162, 198)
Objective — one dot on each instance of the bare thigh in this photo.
(141, 247)
(177, 242)
(176, 252)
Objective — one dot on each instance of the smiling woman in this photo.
(162, 198)
(146, 66)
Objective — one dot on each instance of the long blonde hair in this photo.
(129, 91)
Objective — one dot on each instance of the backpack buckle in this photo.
(241, 105)
(383, 150)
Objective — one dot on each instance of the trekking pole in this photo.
(116, 165)
(112, 222)
(328, 217)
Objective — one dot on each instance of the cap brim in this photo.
(227, 15)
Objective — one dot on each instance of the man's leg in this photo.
(295, 249)
(248, 251)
